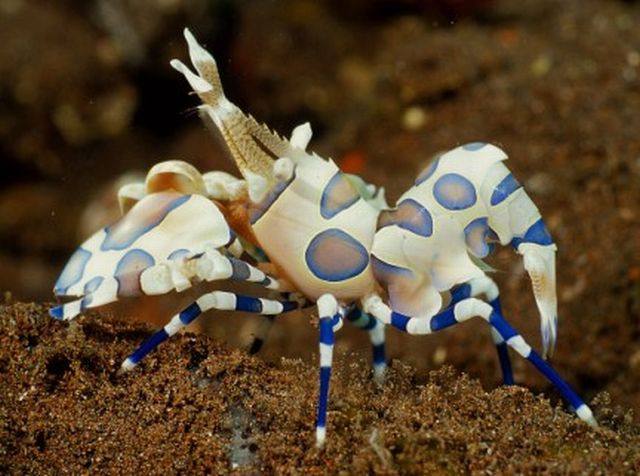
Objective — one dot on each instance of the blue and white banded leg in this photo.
(465, 310)
(330, 322)
(375, 328)
(487, 286)
(220, 300)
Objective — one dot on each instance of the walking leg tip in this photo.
(321, 436)
(126, 366)
(586, 415)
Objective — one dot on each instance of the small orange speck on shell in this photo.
(353, 162)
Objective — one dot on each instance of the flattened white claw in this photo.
(197, 53)
(539, 261)
(198, 84)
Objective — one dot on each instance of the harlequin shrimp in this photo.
(414, 266)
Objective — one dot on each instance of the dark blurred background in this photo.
(87, 95)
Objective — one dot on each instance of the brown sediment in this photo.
(195, 406)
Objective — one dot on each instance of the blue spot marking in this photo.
(476, 234)
(537, 233)
(90, 287)
(454, 192)
(443, 320)
(93, 284)
(335, 199)
(248, 304)
(385, 272)
(73, 271)
(409, 215)
(506, 187)
(116, 239)
(177, 254)
(428, 172)
(399, 321)
(333, 255)
(128, 271)
(257, 210)
(189, 314)
(473, 146)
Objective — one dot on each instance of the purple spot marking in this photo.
(473, 146)
(338, 195)
(477, 235)
(506, 187)
(143, 217)
(454, 192)
(386, 273)
(89, 288)
(537, 233)
(129, 269)
(409, 215)
(72, 272)
(257, 210)
(177, 254)
(427, 172)
(333, 255)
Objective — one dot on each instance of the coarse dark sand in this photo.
(195, 406)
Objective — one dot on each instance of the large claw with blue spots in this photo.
(144, 252)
